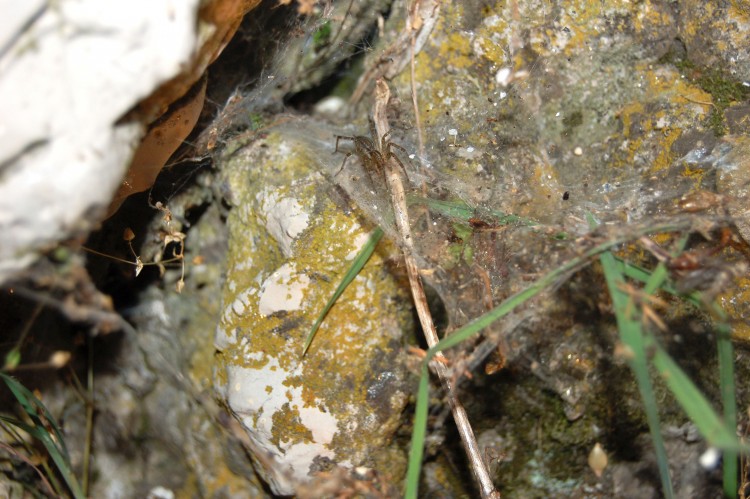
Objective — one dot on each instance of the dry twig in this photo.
(396, 189)
(422, 18)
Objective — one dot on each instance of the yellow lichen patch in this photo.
(664, 158)
(677, 103)
(423, 69)
(543, 189)
(686, 98)
(455, 52)
(650, 17)
(736, 303)
(696, 174)
(288, 427)
(627, 115)
(581, 18)
(584, 21)
(492, 51)
(740, 9)
(309, 397)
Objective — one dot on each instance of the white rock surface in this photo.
(69, 70)
(289, 246)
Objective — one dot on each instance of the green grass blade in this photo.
(642, 275)
(728, 394)
(34, 408)
(631, 335)
(12, 359)
(55, 446)
(462, 211)
(696, 405)
(418, 435)
(472, 328)
(726, 373)
(31, 430)
(361, 259)
(420, 422)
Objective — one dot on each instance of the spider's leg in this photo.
(393, 156)
(391, 145)
(339, 137)
(343, 163)
(384, 140)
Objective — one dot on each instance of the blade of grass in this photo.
(418, 434)
(50, 434)
(726, 372)
(462, 211)
(46, 485)
(12, 430)
(43, 436)
(35, 410)
(728, 394)
(359, 261)
(631, 335)
(416, 451)
(696, 405)
(642, 275)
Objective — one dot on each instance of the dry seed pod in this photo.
(598, 460)
(59, 358)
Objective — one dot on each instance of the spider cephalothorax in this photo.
(373, 157)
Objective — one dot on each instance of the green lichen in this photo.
(322, 35)
(571, 121)
(724, 91)
(460, 248)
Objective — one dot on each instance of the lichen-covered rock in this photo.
(290, 245)
(552, 111)
(715, 34)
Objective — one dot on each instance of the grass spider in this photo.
(373, 156)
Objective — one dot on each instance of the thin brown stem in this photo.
(398, 198)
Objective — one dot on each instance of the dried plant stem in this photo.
(412, 23)
(89, 417)
(422, 17)
(398, 198)
(413, 79)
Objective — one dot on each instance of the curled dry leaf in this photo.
(160, 142)
(174, 237)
